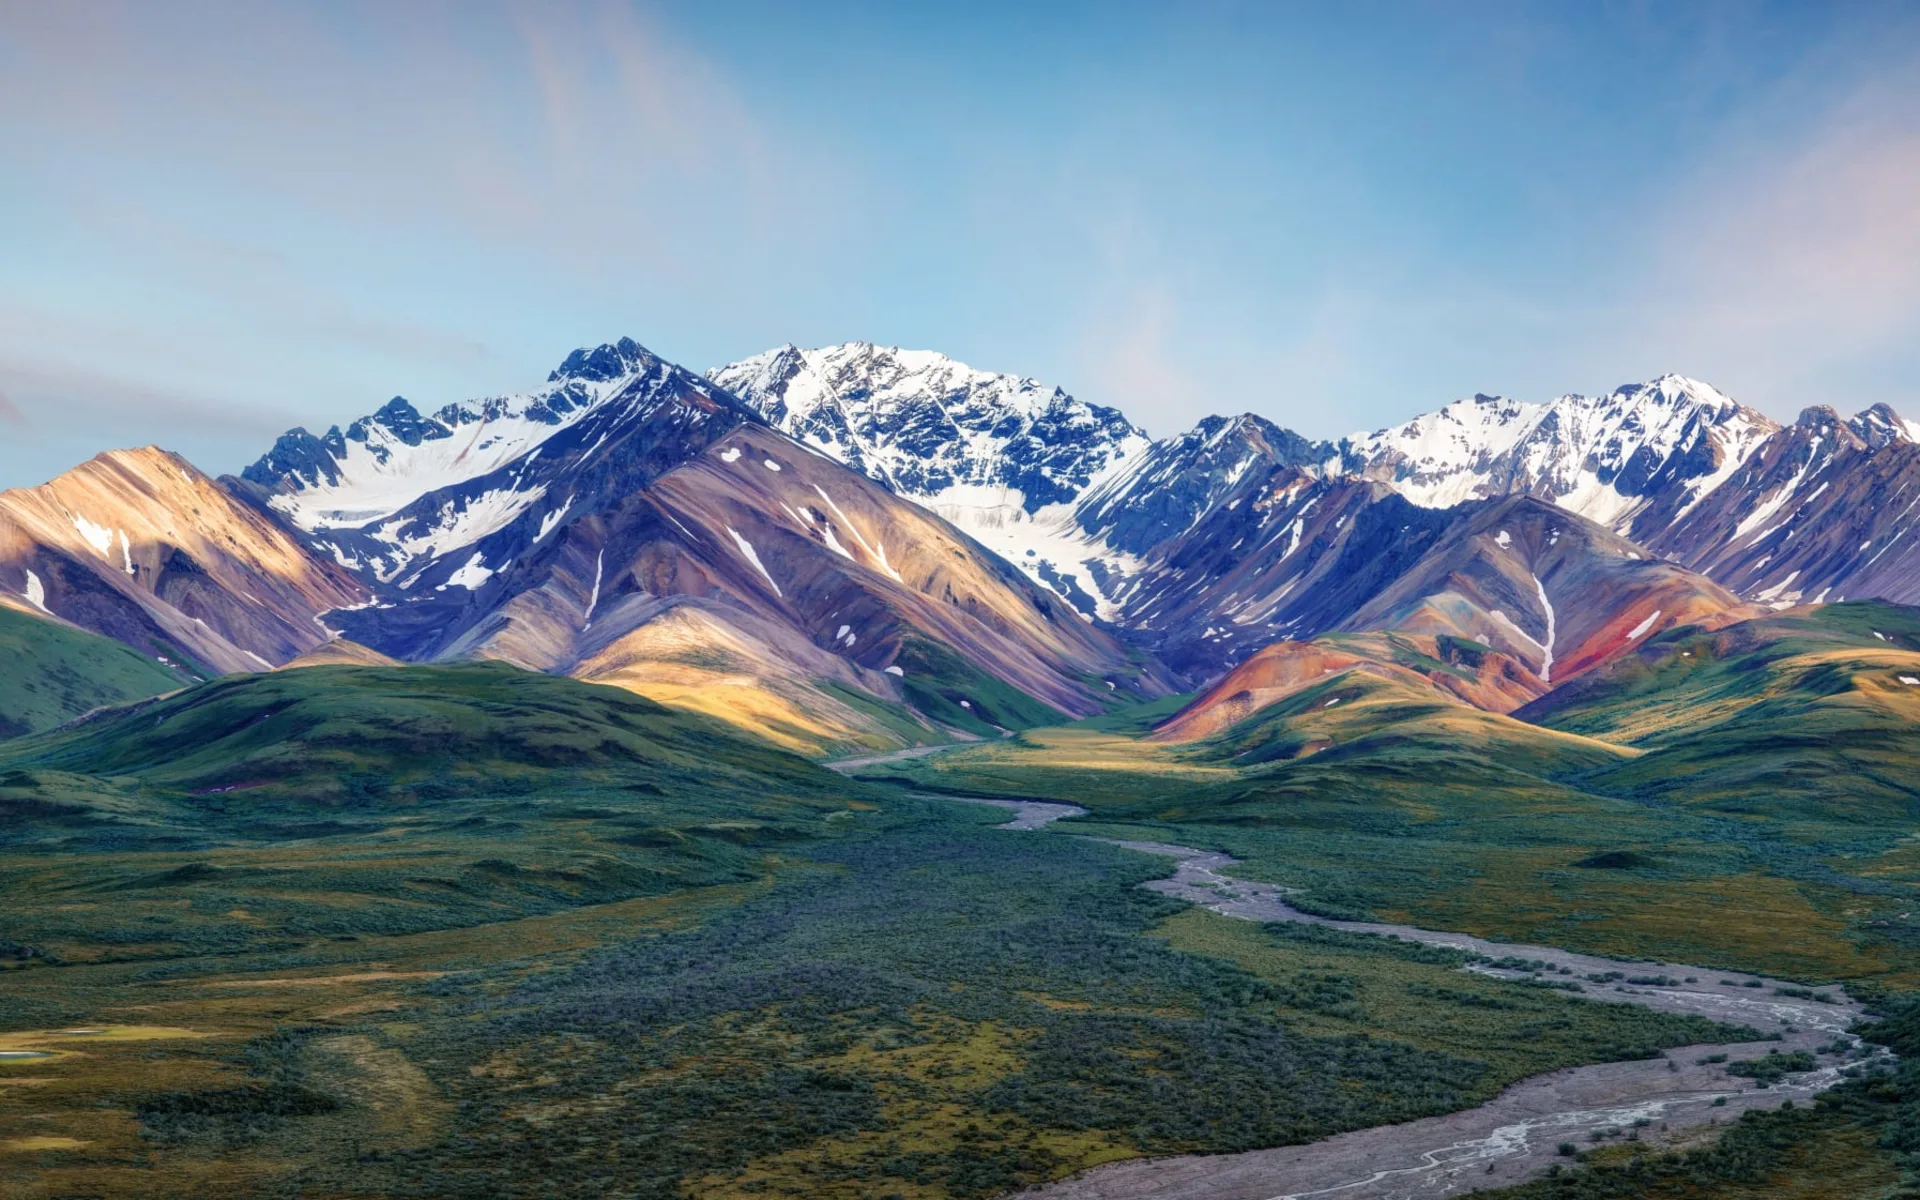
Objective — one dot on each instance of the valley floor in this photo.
(882, 992)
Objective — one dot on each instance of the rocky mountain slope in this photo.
(1493, 603)
(141, 547)
(1001, 457)
(1148, 537)
(633, 522)
(1824, 510)
(869, 546)
(1819, 509)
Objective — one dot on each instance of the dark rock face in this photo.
(299, 455)
(1821, 512)
(1181, 478)
(602, 363)
(402, 421)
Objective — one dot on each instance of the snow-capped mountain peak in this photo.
(398, 488)
(391, 457)
(601, 364)
(1600, 456)
(929, 426)
(1880, 426)
(1001, 456)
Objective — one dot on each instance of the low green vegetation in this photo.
(260, 812)
(1374, 798)
(51, 673)
(613, 943)
(465, 931)
(340, 735)
(913, 1002)
(950, 690)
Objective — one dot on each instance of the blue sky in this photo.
(220, 221)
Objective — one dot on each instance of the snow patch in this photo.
(552, 520)
(895, 671)
(593, 601)
(753, 556)
(730, 455)
(833, 543)
(98, 536)
(471, 575)
(1643, 626)
(36, 593)
(1503, 539)
(1546, 666)
(770, 465)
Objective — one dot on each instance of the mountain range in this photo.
(860, 546)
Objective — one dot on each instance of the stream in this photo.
(1513, 1137)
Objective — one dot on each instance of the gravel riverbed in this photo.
(1515, 1136)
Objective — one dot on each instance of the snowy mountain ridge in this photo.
(932, 428)
(1078, 498)
(1600, 456)
(357, 490)
(860, 515)
(1000, 456)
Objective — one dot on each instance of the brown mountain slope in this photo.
(1551, 589)
(1515, 598)
(755, 673)
(1455, 668)
(141, 547)
(341, 653)
(797, 568)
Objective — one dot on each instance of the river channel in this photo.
(1515, 1136)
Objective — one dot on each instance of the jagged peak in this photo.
(1879, 425)
(1818, 417)
(1674, 385)
(609, 360)
(886, 367)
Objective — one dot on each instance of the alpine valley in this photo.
(849, 773)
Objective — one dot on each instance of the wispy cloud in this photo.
(1797, 266)
(10, 412)
(588, 131)
(77, 396)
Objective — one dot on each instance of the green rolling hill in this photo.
(1806, 715)
(51, 673)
